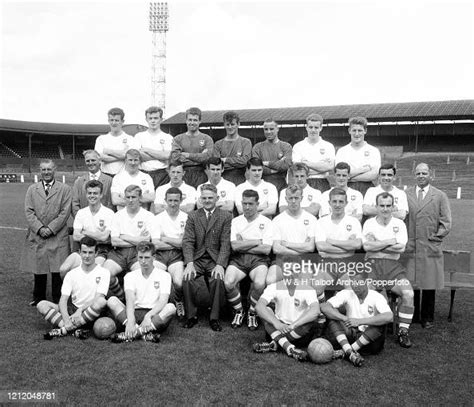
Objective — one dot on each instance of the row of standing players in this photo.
(131, 168)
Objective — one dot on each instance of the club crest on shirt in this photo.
(143, 181)
(97, 280)
(396, 200)
(184, 197)
(265, 191)
(201, 143)
(306, 222)
(310, 197)
(182, 224)
(101, 223)
(239, 153)
(395, 229)
(322, 151)
(366, 153)
(348, 228)
(162, 141)
(353, 197)
(140, 224)
(223, 194)
(370, 310)
(297, 302)
(280, 155)
(156, 284)
(262, 226)
(124, 141)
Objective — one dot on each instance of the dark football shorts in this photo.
(385, 273)
(168, 257)
(246, 262)
(125, 257)
(103, 250)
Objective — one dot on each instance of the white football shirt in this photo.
(260, 228)
(99, 222)
(147, 290)
(395, 229)
(122, 142)
(82, 286)
(326, 228)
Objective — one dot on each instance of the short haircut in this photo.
(270, 120)
(250, 193)
(343, 166)
(255, 161)
(293, 188)
(95, 184)
(337, 191)
(208, 187)
(173, 190)
(358, 120)
(133, 153)
(388, 167)
(299, 167)
(214, 161)
(175, 164)
(229, 116)
(154, 109)
(314, 117)
(145, 246)
(88, 241)
(116, 111)
(195, 111)
(90, 151)
(132, 188)
(47, 161)
(384, 195)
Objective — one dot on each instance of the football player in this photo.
(361, 328)
(251, 240)
(167, 236)
(147, 312)
(384, 237)
(82, 296)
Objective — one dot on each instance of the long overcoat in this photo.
(41, 255)
(428, 223)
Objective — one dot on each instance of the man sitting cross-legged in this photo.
(167, 236)
(295, 317)
(147, 290)
(82, 296)
(251, 240)
(361, 327)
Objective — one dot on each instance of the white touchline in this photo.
(12, 227)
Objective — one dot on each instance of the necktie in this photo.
(47, 187)
(208, 215)
(420, 195)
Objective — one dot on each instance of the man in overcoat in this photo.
(428, 223)
(47, 209)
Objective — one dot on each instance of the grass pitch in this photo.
(201, 367)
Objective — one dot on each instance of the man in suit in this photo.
(79, 195)
(47, 209)
(206, 249)
(429, 222)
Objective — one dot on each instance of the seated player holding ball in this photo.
(361, 327)
(82, 296)
(294, 319)
(147, 313)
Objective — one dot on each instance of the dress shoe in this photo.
(427, 325)
(215, 325)
(190, 323)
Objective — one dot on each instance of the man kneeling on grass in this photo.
(294, 320)
(147, 313)
(361, 328)
(87, 286)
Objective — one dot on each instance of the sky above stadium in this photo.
(69, 62)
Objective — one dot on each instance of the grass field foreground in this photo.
(201, 367)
